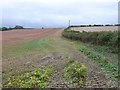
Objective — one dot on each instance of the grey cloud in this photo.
(57, 14)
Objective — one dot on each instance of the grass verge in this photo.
(110, 69)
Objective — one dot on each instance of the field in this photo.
(93, 29)
(26, 51)
(26, 34)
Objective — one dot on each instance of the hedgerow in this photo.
(107, 38)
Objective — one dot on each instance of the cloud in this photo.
(56, 13)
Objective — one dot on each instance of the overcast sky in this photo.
(56, 13)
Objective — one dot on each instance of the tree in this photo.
(18, 27)
(4, 28)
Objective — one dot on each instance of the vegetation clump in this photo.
(104, 63)
(75, 73)
(35, 79)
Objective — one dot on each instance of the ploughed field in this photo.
(25, 51)
(27, 34)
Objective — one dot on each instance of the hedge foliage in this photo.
(107, 38)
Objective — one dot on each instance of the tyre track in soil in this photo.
(95, 77)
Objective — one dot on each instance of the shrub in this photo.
(4, 28)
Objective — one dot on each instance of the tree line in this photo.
(95, 25)
(10, 28)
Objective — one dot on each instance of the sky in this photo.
(57, 13)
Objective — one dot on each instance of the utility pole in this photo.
(69, 22)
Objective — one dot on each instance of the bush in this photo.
(4, 28)
(76, 73)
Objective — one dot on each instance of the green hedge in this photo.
(107, 38)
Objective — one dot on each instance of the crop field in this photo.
(93, 29)
(47, 58)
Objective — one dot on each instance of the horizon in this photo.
(81, 25)
(56, 14)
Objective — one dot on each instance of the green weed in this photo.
(35, 79)
(110, 69)
(75, 73)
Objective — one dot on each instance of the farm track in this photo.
(95, 77)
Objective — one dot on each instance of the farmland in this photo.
(94, 29)
(26, 51)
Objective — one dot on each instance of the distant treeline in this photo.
(10, 28)
(94, 25)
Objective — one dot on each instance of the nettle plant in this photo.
(76, 73)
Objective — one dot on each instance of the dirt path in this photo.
(62, 51)
(95, 77)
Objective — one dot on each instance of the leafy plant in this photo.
(35, 79)
(75, 73)
(110, 68)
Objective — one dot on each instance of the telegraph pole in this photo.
(69, 23)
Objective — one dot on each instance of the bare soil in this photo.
(27, 34)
